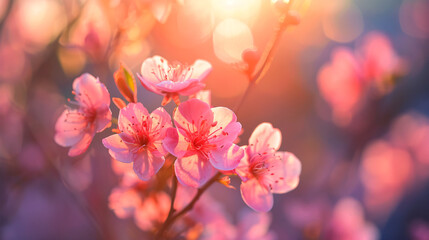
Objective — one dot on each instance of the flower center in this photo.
(259, 168)
(175, 73)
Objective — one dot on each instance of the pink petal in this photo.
(90, 91)
(151, 70)
(264, 138)
(193, 171)
(118, 149)
(70, 128)
(228, 158)
(227, 128)
(175, 143)
(203, 95)
(256, 196)
(103, 121)
(242, 169)
(149, 85)
(170, 86)
(192, 89)
(190, 114)
(284, 172)
(146, 165)
(200, 69)
(161, 122)
(82, 145)
(133, 113)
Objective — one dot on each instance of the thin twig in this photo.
(264, 62)
(169, 222)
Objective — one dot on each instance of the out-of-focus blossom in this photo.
(254, 226)
(265, 171)
(380, 62)
(202, 141)
(386, 172)
(140, 139)
(75, 128)
(153, 211)
(411, 131)
(341, 84)
(419, 230)
(172, 80)
(350, 78)
(348, 222)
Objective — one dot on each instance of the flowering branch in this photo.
(264, 62)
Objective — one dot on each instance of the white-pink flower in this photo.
(202, 141)
(140, 139)
(265, 171)
(172, 80)
(75, 128)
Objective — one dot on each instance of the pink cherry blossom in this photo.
(265, 171)
(170, 80)
(75, 128)
(202, 142)
(140, 139)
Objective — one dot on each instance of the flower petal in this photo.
(90, 91)
(192, 89)
(264, 138)
(227, 158)
(227, 128)
(151, 70)
(200, 69)
(193, 171)
(175, 143)
(103, 120)
(70, 128)
(242, 169)
(118, 149)
(190, 114)
(256, 196)
(284, 172)
(132, 114)
(146, 165)
(82, 145)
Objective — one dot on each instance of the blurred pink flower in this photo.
(384, 182)
(202, 141)
(348, 222)
(341, 84)
(254, 226)
(153, 211)
(350, 76)
(170, 80)
(419, 230)
(265, 171)
(379, 59)
(75, 128)
(140, 139)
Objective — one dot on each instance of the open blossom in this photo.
(170, 80)
(265, 171)
(75, 128)
(202, 142)
(140, 139)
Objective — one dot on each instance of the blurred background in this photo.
(348, 88)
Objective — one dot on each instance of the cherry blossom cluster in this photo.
(199, 138)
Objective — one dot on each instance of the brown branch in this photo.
(169, 222)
